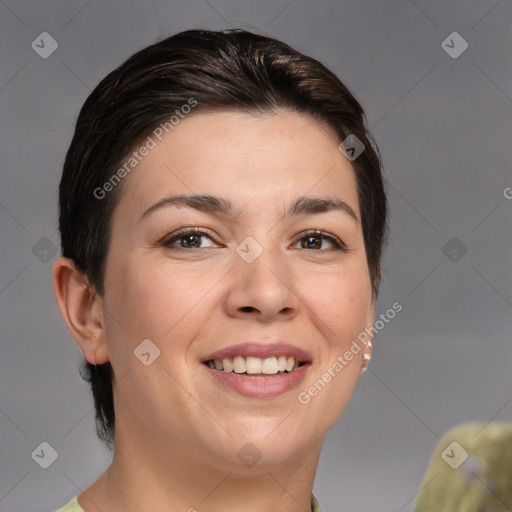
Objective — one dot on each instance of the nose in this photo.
(262, 289)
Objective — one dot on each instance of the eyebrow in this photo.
(223, 206)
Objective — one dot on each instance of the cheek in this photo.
(340, 301)
(341, 307)
(158, 303)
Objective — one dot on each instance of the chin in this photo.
(263, 447)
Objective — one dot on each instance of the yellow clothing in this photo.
(73, 506)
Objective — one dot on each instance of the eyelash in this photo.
(167, 242)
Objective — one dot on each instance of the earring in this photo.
(94, 360)
(366, 356)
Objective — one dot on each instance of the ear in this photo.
(82, 310)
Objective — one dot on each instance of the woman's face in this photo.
(257, 275)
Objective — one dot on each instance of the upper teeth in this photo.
(255, 365)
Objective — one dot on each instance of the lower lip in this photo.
(260, 387)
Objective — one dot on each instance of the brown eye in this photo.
(186, 239)
(191, 240)
(314, 240)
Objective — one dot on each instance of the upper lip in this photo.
(260, 349)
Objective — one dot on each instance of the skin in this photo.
(177, 431)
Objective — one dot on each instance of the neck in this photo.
(150, 477)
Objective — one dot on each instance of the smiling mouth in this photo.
(255, 366)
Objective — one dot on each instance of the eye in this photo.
(314, 239)
(188, 238)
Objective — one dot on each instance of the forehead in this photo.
(243, 156)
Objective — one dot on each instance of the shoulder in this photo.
(315, 506)
(72, 506)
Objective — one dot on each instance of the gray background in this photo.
(443, 126)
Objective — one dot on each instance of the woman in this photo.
(222, 218)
